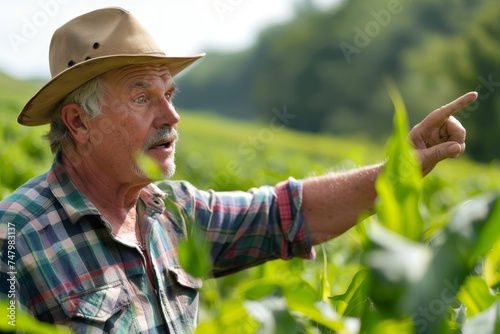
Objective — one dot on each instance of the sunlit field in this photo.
(348, 287)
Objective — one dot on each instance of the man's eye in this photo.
(170, 95)
(140, 99)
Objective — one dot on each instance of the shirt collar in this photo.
(73, 201)
(152, 196)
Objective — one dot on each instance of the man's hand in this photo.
(440, 135)
(331, 203)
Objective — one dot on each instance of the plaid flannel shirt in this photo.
(69, 268)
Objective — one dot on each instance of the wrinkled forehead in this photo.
(136, 75)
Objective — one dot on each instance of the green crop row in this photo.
(424, 263)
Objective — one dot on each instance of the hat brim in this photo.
(39, 109)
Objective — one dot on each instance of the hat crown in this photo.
(105, 32)
(88, 46)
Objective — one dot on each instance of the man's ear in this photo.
(76, 122)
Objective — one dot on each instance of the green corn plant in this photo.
(417, 286)
(21, 322)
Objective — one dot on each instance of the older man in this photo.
(95, 247)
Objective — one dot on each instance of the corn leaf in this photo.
(399, 185)
(475, 295)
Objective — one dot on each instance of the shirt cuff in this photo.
(297, 241)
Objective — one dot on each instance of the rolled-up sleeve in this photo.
(245, 229)
(297, 240)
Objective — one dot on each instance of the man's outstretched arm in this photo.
(332, 203)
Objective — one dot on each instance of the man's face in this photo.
(138, 118)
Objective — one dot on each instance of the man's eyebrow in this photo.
(139, 84)
(144, 84)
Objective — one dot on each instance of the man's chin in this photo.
(151, 169)
(167, 168)
(169, 172)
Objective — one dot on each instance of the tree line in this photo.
(328, 68)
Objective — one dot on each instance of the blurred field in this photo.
(224, 154)
(215, 152)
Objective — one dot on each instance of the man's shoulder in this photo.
(26, 202)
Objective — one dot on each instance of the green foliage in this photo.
(424, 263)
(149, 166)
(399, 185)
(328, 67)
(486, 322)
(418, 270)
(492, 267)
(22, 322)
(23, 154)
(194, 254)
(475, 295)
(354, 302)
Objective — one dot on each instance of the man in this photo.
(95, 247)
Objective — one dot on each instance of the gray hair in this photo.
(89, 97)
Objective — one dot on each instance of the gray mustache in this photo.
(165, 133)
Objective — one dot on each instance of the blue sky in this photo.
(180, 27)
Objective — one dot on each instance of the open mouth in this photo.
(161, 145)
(164, 139)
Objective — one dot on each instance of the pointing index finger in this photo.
(441, 115)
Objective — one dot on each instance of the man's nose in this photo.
(166, 114)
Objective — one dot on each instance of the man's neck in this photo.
(115, 199)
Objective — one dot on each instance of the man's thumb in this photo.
(437, 153)
(454, 150)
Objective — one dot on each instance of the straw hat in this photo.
(88, 46)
